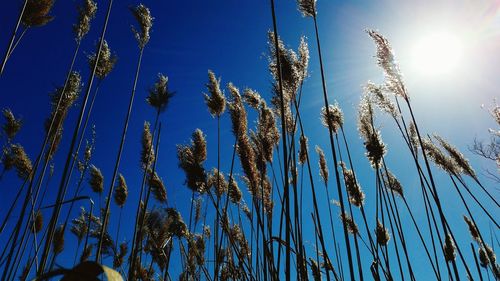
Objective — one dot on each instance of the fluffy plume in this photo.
(332, 117)
(147, 152)
(197, 209)
(307, 7)
(268, 135)
(303, 150)
(457, 156)
(106, 62)
(176, 225)
(303, 57)
(252, 98)
(159, 95)
(37, 12)
(237, 111)
(157, 187)
(352, 227)
(375, 148)
(15, 156)
(96, 180)
(472, 229)
(217, 181)
(121, 191)
(387, 61)
(323, 167)
(437, 156)
(316, 271)
(216, 101)
(449, 249)
(145, 20)
(58, 242)
(79, 225)
(291, 69)
(382, 234)
(234, 191)
(191, 158)
(12, 124)
(65, 99)
(412, 131)
(120, 256)
(356, 195)
(392, 183)
(86, 12)
(381, 99)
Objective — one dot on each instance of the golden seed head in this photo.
(307, 7)
(147, 152)
(382, 234)
(159, 95)
(252, 98)
(36, 13)
(121, 191)
(145, 20)
(323, 167)
(12, 124)
(86, 12)
(157, 187)
(356, 195)
(96, 180)
(332, 117)
(348, 221)
(106, 62)
(215, 100)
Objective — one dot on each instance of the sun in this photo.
(438, 53)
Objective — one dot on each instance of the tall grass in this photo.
(249, 217)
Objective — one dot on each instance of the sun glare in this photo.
(438, 53)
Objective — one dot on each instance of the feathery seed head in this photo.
(38, 223)
(303, 57)
(483, 257)
(382, 234)
(121, 191)
(120, 256)
(444, 162)
(216, 101)
(159, 95)
(252, 98)
(237, 111)
(392, 183)
(381, 99)
(58, 241)
(106, 62)
(457, 156)
(332, 117)
(472, 229)
(12, 125)
(157, 187)
(36, 13)
(356, 195)
(323, 167)
(96, 180)
(147, 152)
(86, 12)
(352, 227)
(307, 7)
(234, 191)
(16, 157)
(217, 181)
(145, 20)
(303, 150)
(449, 249)
(388, 63)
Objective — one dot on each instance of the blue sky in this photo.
(230, 37)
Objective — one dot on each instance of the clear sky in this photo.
(230, 37)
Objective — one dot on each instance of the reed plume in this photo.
(307, 7)
(381, 99)
(392, 183)
(349, 222)
(449, 249)
(96, 179)
(323, 167)
(120, 256)
(303, 149)
(38, 223)
(333, 117)
(191, 158)
(106, 63)
(356, 194)
(121, 191)
(145, 20)
(474, 233)
(159, 95)
(157, 187)
(147, 152)
(16, 157)
(382, 234)
(58, 241)
(86, 12)
(457, 156)
(218, 182)
(375, 148)
(12, 124)
(215, 100)
(37, 13)
(252, 98)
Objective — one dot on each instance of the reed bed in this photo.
(260, 209)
